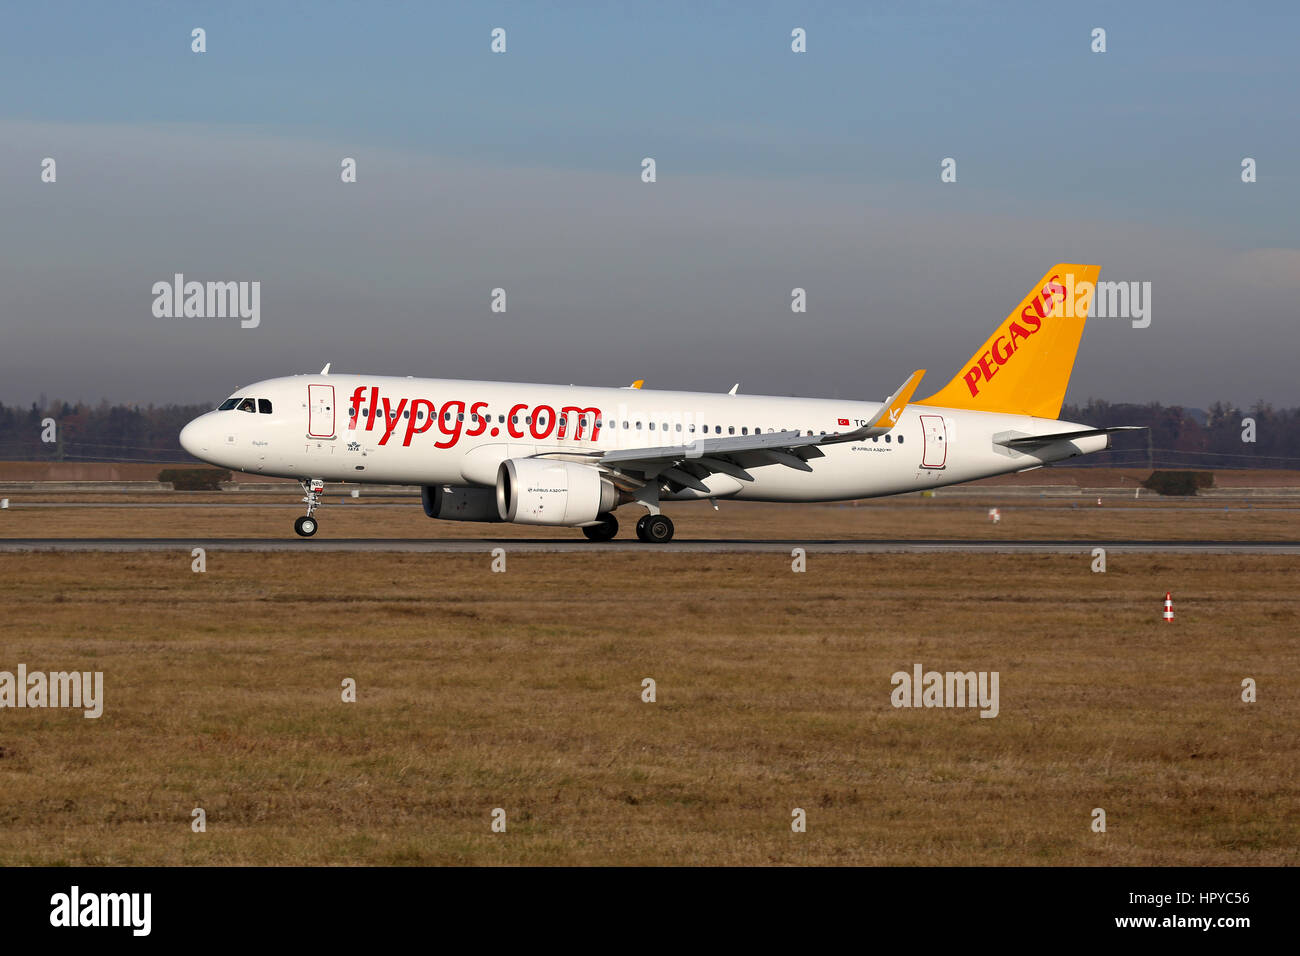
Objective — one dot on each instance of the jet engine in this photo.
(561, 493)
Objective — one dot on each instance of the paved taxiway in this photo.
(484, 545)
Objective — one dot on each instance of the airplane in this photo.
(570, 456)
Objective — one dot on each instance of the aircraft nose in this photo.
(193, 437)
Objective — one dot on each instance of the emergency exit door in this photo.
(320, 411)
(935, 454)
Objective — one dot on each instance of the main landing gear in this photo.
(655, 529)
(605, 531)
(306, 525)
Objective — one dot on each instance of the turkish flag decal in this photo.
(844, 421)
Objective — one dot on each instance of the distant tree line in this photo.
(1222, 437)
(1178, 437)
(100, 432)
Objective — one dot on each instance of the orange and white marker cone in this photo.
(1169, 608)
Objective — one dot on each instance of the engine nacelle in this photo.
(541, 491)
(459, 504)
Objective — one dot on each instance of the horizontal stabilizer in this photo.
(1063, 436)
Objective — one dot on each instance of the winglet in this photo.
(894, 404)
(326, 369)
(887, 417)
(734, 389)
(637, 384)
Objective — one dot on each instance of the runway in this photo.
(582, 546)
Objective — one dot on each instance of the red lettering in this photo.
(481, 426)
(1001, 357)
(578, 415)
(411, 429)
(1031, 320)
(537, 417)
(390, 419)
(972, 377)
(510, 421)
(984, 367)
(355, 410)
(451, 418)
(1016, 329)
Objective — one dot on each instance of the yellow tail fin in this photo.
(1025, 365)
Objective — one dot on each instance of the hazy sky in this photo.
(523, 171)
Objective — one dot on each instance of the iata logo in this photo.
(1047, 302)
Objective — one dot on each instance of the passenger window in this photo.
(692, 429)
(717, 429)
(744, 431)
(679, 426)
(638, 426)
(528, 420)
(900, 439)
(886, 439)
(514, 419)
(731, 429)
(264, 406)
(406, 414)
(460, 416)
(652, 426)
(625, 424)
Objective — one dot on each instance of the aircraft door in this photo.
(935, 454)
(320, 411)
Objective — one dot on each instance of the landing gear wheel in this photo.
(605, 531)
(306, 525)
(658, 529)
(640, 526)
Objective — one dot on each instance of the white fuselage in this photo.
(417, 431)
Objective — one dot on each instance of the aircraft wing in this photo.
(687, 464)
(731, 455)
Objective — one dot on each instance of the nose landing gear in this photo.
(306, 525)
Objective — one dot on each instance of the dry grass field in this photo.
(522, 691)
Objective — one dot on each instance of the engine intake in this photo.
(559, 493)
(452, 503)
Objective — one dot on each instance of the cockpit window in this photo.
(264, 406)
(227, 404)
(247, 405)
